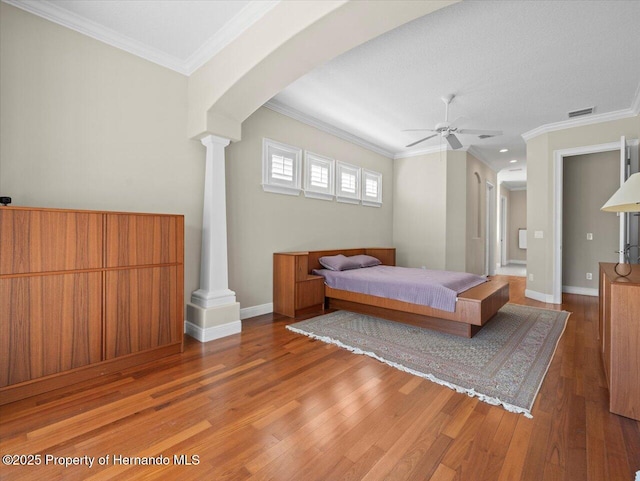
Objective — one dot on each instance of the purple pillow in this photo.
(366, 261)
(338, 263)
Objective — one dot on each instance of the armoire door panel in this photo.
(140, 310)
(49, 324)
(49, 241)
(136, 240)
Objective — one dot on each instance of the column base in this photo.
(207, 299)
(207, 324)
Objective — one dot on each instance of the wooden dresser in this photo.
(85, 293)
(619, 334)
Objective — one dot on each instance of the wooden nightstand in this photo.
(295, 291)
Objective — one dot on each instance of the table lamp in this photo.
(625, 199)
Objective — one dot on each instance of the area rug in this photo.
(503, 364)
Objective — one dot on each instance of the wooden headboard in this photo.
(387, 255)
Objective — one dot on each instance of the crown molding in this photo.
(635, 105)
(580, 122)
(473, 150)
(53, 13)
(238, 24)
(417, 153)
(443, 148)
(514, 189)
(325, 127)
(251, 13)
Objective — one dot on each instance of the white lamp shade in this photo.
(626, 198)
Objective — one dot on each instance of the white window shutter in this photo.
(281, 167)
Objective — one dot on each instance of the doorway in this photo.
(589, 236)
(559, 155)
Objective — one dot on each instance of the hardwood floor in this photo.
(270, 404)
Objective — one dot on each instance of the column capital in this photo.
(211, 139)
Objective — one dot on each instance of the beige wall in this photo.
(420, 210)
(456, 234)
(589, 181)
(261, 223)
(517, 219)
(88, 126)
(540, 189)
(436, 219)
(476, 214)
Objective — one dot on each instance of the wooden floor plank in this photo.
(271, 404)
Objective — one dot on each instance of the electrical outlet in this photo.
(589, 276)
(589, 236)
(538, 234)
(531, 277)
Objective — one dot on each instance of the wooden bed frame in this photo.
(474, 308)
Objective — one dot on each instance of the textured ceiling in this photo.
(513, 66)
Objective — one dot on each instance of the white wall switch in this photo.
(589, 236)
(589, 276)
(531, 277)
(538, 234)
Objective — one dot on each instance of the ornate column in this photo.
(213, 311)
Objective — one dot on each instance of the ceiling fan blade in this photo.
(418, 130)
(421, 140)
(453, 141)
(480, 132)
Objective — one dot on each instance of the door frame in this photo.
(489, 232)
(503, 230)
(558, 161)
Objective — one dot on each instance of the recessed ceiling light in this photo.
(513, 161)
(504, 150)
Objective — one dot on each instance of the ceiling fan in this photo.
(448, 130)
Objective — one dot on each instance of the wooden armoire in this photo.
(84, 294)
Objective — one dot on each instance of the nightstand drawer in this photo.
(309, 292)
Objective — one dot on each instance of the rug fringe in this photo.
(469, 392)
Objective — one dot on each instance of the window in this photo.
(281, 167)
(371, 188)
(318, 176)
(347, 183)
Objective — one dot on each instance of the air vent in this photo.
(515, 170)
(581, 112)
(483, 136)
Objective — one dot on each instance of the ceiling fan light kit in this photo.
(448, 130)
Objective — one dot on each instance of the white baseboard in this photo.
(211, 333)
(539, 296)
(583, 291)
(256, 310)
(513, 261)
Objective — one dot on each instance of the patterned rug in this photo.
(504, 363)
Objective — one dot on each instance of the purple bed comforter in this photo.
(437, 289)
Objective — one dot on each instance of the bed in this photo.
(473, 307)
